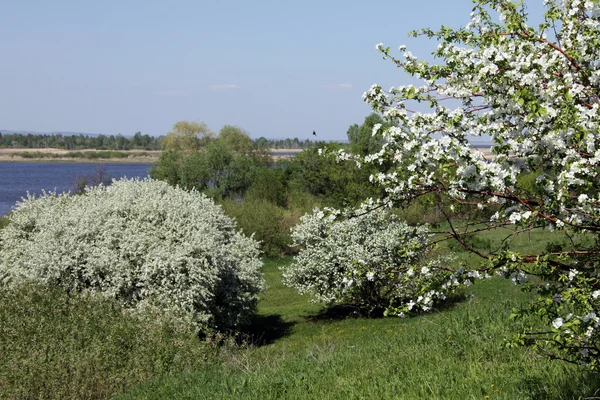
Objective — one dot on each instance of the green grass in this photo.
(536, 241)
(456, 353)
(55, 346)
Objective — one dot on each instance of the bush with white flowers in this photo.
(535, 90)
(144, 243)
(368, 261)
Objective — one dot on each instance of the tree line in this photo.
(138, 141)
(79, 142)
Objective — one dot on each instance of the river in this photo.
(18, 178)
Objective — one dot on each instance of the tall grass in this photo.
(59, 346)
(308, 352)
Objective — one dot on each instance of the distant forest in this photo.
(118, 142)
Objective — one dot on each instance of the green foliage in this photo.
(337, 184)
(78, 142)
(527, 184)
(218, 158)
(264, 220)
(362, 140)
(289, 143)
(238, 176)
(269, 184)
(168, 168)
(419, 212)
(288, 188)
(215, 170)
(187, 136)
(235, 139)
(59, 346)
(192, 171)
(270, 223)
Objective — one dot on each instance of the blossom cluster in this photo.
(144, 243)
(371, 260)
(535, 92)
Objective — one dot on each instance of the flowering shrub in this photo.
(536, 92)
(370, 261)
(143, 243)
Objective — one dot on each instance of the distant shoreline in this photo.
(132, 156)
(59, 155)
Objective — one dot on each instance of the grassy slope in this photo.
(455, 354)
(54, 347)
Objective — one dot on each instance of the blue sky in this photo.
(275, 68)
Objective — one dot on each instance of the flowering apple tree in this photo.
(535, 91)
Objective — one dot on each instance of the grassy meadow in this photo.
(299, 350)
(59, 346)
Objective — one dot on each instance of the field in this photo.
(307, 352)
(54, 346)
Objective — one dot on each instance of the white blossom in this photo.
(557, 323)
(143, 243)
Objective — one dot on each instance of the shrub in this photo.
(269, 184)
(99, 177)
(340, 184)
(366, 261)
(263, 220)
(143, 243)
(168, 167)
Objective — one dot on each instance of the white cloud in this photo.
(339, 86)
(226, 86)
(171, 92)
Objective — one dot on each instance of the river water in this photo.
(18, 178)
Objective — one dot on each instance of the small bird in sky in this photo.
(314, 133)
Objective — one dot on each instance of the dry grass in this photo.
(134, 156)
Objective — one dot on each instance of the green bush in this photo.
(337, 184)
(239, 176)
(265, 221)
(192, 172)
(269, 184)
(167, 167)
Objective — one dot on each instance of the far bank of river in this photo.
(100, 156)
(18, 178)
